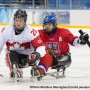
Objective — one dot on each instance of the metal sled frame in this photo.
(15, 71)
(59, 73)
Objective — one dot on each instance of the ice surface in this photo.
(77, 75)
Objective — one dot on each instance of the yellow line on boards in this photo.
(60, 26)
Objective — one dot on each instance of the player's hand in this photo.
(33, 57)
(51, 52)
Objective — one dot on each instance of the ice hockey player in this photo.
(57, 42)
(21, 42)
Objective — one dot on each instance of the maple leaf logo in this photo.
(16, 47)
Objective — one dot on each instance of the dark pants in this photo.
(19, 59)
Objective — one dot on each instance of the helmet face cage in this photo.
(20, 14)
(50, 19)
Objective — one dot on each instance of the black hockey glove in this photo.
(84, 38)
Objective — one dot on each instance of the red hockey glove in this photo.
(33, 57)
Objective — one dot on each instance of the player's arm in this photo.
(38, 43)
(75, 40)
(2, 39)
(70, 38)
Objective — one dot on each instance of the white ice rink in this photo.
(77, 75)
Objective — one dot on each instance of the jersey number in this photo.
(33, 32)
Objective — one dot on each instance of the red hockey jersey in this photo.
(59, 42)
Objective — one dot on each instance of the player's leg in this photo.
(44, 64)
(49, 61)
(12, 61)
(23, 60)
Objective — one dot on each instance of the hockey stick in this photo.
(88, 43)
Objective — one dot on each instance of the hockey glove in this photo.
(33, 57)
(84, 38)
(51, 52)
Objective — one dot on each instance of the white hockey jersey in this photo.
(24, 43)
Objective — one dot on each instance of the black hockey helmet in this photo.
(20, 14)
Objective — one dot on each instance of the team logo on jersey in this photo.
(53, 45)
(17, 46)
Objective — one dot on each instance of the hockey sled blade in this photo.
(56, 75)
